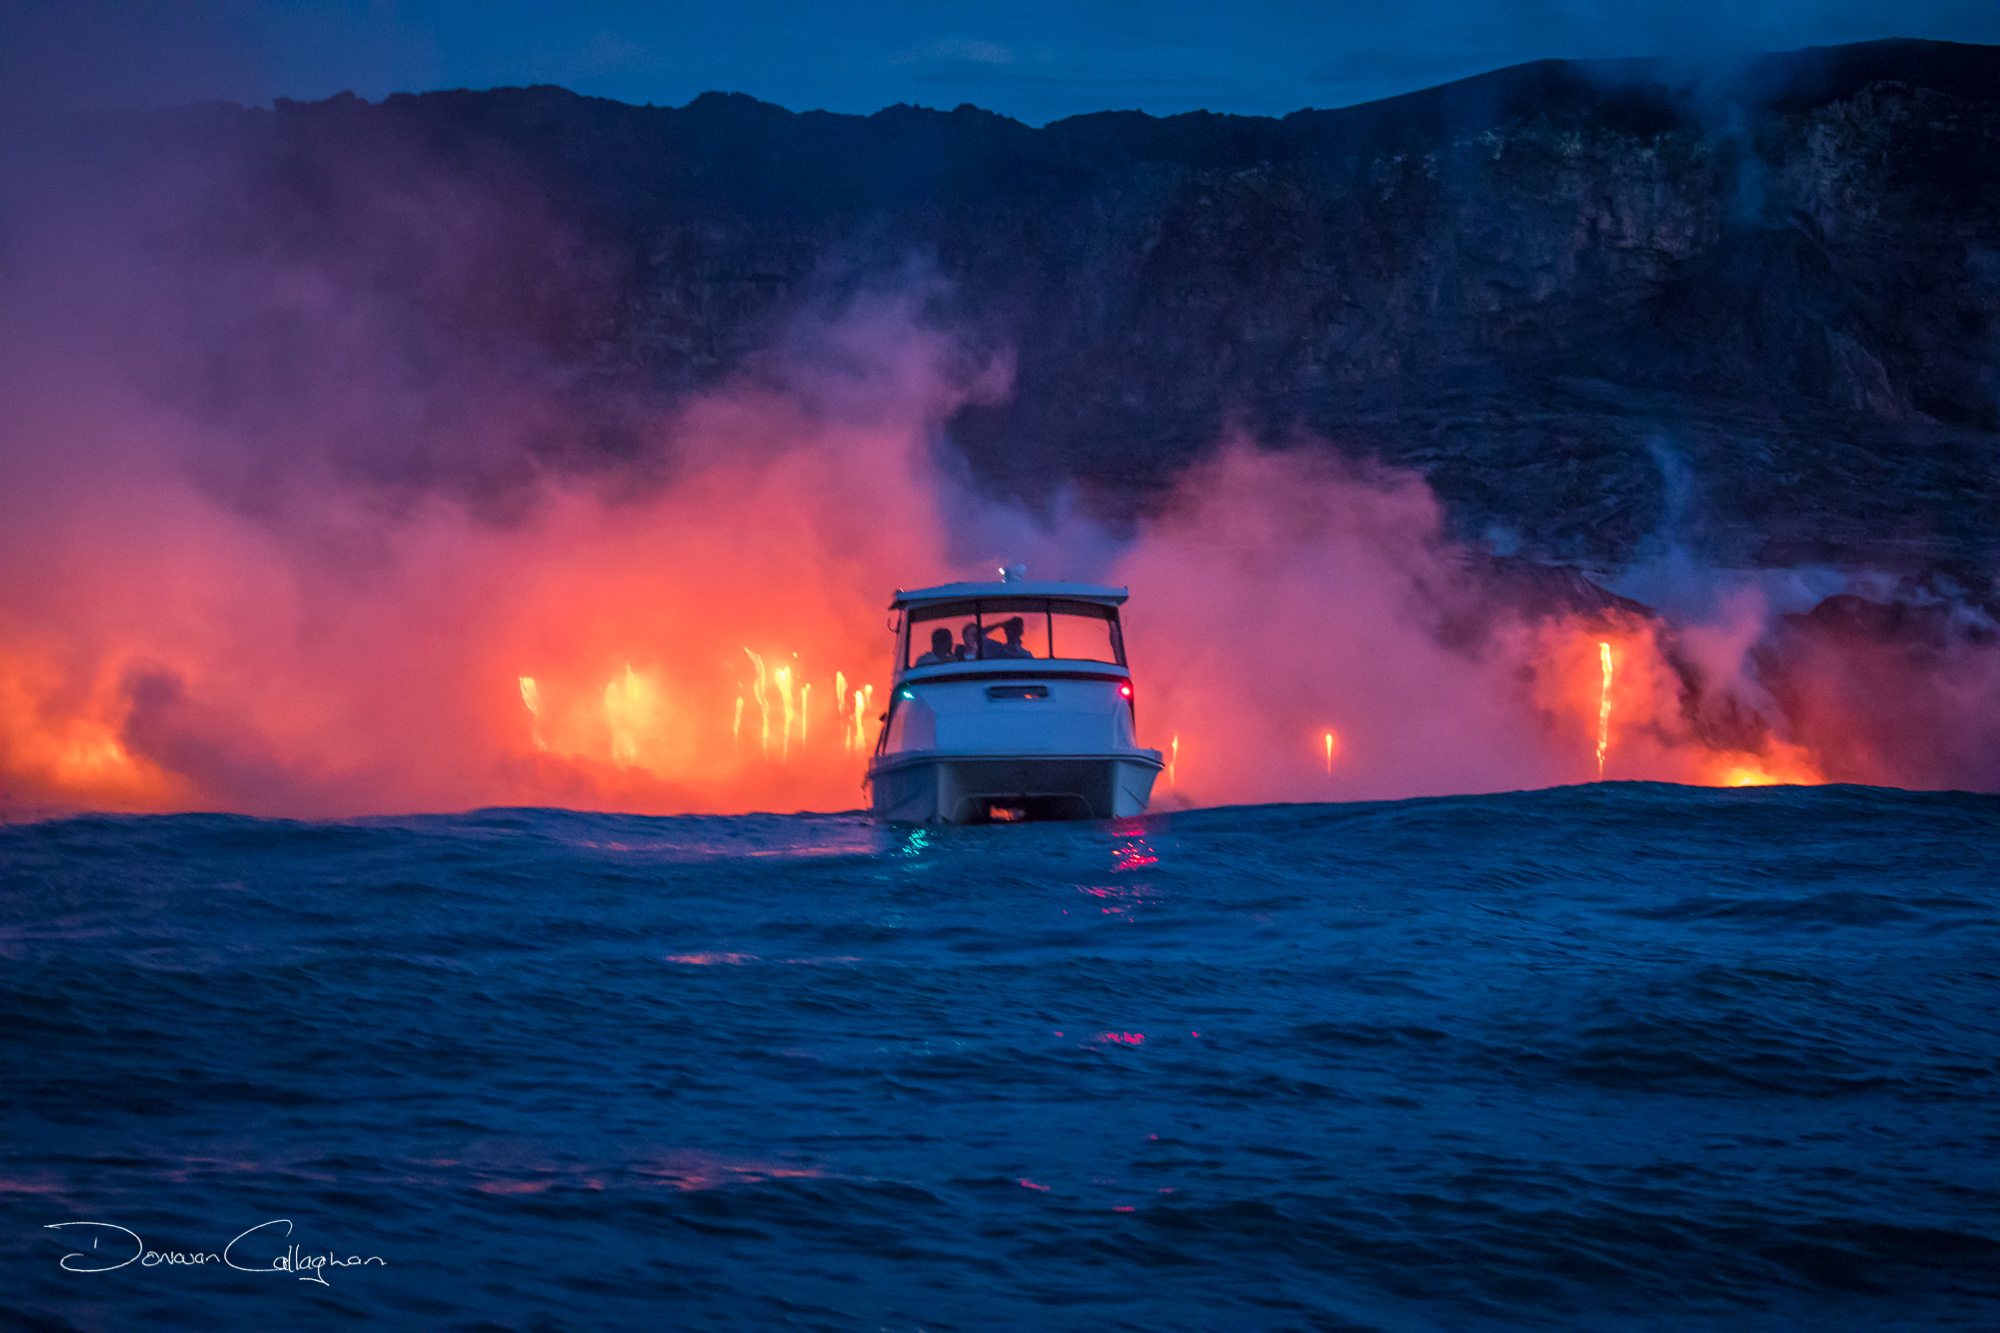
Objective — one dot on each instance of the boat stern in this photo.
(978, 789)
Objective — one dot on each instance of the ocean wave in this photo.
(1623, 1053)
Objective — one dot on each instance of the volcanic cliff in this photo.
(1751, 305)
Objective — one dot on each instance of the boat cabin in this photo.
(959, 629)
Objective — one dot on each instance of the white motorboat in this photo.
(1011, 700)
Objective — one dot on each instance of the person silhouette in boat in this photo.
(941, 649)
(1010, 644)
(974, 642)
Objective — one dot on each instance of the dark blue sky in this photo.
(1035, 59)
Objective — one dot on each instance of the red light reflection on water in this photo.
(1130, 850)
(701, 1171)
(1121, 1039)
(540, 1185)
(1115, 900)
(679, 1170)
(195, 1170)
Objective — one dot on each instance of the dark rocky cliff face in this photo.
(1760, 305)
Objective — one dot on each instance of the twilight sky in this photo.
(1037, 60)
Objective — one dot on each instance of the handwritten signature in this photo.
(292, 1259)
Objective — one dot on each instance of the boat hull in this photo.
(970, 789)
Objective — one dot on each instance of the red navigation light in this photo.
(1126, 689)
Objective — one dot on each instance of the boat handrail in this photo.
(1100, 594)
(1017, 668)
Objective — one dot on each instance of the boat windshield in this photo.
(999, 629)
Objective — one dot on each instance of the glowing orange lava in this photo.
(54, 756)
(789, 716)
(1780, 766)
(648, 726)
(760, 692)
(1603, 706)
(531, 695)
(632, 713)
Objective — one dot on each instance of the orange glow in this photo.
(632, 714)
(50, 753)
(635, 728)
(619, 715)
(1783, 766)
(1629, 675)
(160, 650)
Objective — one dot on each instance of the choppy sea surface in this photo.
(1626, 1055)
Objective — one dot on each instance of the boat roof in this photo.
(960, 592)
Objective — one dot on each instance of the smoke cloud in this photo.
(343, 523)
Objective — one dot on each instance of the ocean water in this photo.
(1626, 1055)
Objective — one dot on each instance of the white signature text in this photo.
(113, 1247)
